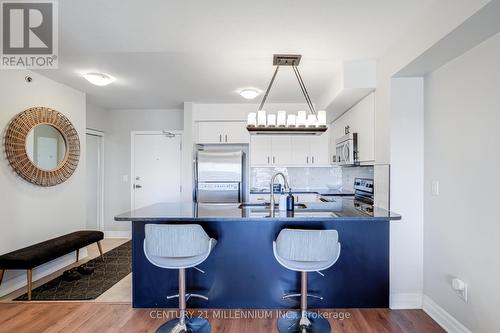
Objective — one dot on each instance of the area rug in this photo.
(117, 264)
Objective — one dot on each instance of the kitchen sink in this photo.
(268, 205)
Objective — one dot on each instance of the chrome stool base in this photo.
(290, 323)
(193, 325)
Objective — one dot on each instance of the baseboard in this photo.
(449, 323)
(118, 234)
(405, 301)
(18, 279)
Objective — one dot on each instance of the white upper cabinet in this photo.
(236, 132)
(260, 150)
(320, 149)
(210, 132)
(281, 150)
(270, 150)
(301, 148)
(359, 119)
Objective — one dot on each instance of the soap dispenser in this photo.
(283, 199)
(290, 202)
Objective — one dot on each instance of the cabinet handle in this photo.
(220, 137)
(307, 159)
(226, 137)
(268, 160)
(313, 160)
(274, 160)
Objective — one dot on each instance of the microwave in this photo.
(346, 149)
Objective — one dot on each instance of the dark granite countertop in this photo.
(342, 209)
(323, 192)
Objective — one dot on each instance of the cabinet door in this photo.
(320, 149)
(210, 132)
(362, 122)
(282, 150)
(235, 132)
(260, 150)
(306, 197)
(300, 150)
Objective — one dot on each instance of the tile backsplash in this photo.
(311, 178)
(299, 178)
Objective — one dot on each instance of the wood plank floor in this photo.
(105, 317)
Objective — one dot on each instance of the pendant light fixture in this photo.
(282, 123)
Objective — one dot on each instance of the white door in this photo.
(94, 165)
(156, 169)
(210, 132)
(236, 132)
(47, 153)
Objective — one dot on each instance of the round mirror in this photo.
(46, 147)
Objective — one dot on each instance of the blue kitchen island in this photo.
(242, 273)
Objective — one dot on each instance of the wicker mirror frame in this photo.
(15, 146)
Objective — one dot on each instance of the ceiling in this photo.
(163, 53)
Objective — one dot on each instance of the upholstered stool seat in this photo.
(176, 246)
(305, 251)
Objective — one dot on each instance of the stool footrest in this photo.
(298, 295)
(188, 296)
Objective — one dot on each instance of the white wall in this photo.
(97, 117)
(405, 287)
(407, 179)
(117, 126)
(30, 213)
(462, 116)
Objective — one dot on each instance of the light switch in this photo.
(435, 187)
(125, 178)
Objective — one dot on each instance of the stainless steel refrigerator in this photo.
(219, 176)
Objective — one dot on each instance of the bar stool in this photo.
(177, 246)
(305, 251)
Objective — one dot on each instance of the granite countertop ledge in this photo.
(324, 192)
(343, 209)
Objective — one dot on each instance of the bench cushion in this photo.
(37, 254)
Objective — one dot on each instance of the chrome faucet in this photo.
(272, 189)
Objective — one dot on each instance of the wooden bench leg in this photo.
(77, 255)
(100, 249)
(30, 282)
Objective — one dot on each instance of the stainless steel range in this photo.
(364, 195)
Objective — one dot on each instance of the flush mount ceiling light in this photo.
(261, 123)
(249, 93)
(99, 79)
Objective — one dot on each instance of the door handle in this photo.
(137, 186)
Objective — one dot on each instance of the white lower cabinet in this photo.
(306, 197)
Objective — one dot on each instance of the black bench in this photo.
(41, 253)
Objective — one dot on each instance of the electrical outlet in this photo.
(460, 287)
(435, 187)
